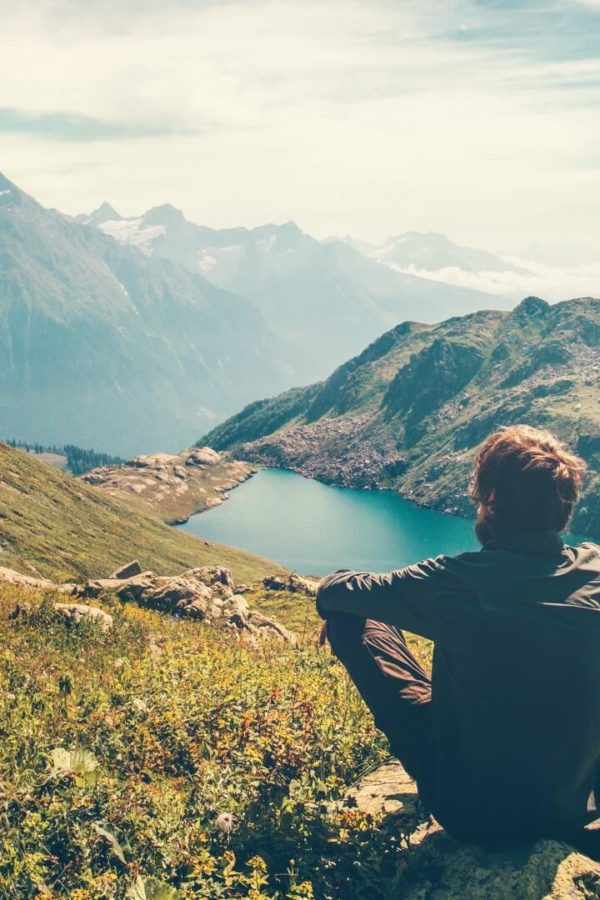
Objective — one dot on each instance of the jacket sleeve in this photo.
(425, 598)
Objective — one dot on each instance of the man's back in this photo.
(516, 689)
(515, 708)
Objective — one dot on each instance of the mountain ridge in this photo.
(408, 412)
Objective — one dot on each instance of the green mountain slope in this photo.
(101, 346)
(408, 412)
(59, 527)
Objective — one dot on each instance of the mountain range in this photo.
(408, 412)
(324, 299)
(417, 251)
(101, 345)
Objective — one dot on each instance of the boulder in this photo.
(236, 610)
(206, 593)
(99, 587)
(76, 612)
(292, 583)
(203, 456)
(267, 628)
(213, 575)
(128, 570)
(436, 867)
(9, 576)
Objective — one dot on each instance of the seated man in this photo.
(504, 739)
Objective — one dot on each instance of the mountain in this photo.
(409, 411)
(323, 298)
(102, 346)
(57, 526)
(433, 252)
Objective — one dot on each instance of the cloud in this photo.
(368, 118)
(62, 126)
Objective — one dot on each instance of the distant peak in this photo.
(104, 213)
(165, 214)
(531, 306)
(106, 209)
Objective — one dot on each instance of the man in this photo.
(504, 739)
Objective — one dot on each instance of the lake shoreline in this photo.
(312, 527)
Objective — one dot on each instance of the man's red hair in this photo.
(526, 480)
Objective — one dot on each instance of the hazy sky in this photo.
(479, 119)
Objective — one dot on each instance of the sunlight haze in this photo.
(474, 119)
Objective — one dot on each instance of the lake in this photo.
(315, 528)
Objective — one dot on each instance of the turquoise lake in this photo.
(315, 528)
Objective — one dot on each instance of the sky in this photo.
(477, 119)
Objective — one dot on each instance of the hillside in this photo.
(323, 298)
(102, 346)
(408, 412)
(56, 526)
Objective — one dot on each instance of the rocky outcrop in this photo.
(206, 594)
(173, 487)
(436, 867)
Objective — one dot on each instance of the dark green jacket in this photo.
(516, 676)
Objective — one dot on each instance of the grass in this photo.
(58, 527)
(119, 751)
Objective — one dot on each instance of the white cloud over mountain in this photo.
(367, 118)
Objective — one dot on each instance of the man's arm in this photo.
(424, 598)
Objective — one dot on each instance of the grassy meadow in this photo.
(120, 751)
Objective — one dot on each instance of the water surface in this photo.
(315, 528)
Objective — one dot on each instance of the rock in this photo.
(9, 576)
(99, 587)
(436, 867)
(76, 612)
(293, 583)
(264, 627)
(128, 570)
(211, 575)
(152, 461)
(236, 610)
(203, 456)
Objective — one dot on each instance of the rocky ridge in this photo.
(172, 486)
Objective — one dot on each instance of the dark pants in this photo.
(398, 692)
(393, 685)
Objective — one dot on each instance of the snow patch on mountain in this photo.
(133, 232)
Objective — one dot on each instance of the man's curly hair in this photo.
(525, 479)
